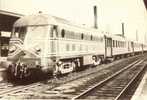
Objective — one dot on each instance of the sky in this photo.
(18, 6)
(111, 13)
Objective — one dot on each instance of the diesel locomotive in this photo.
(57, 46)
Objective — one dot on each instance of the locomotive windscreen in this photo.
(20, 32)
(30, 32)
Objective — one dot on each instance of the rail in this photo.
(107, 79)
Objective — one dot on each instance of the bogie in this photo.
(65, 66)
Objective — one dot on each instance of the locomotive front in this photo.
(28, 47)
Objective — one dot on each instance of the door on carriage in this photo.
(108, 46)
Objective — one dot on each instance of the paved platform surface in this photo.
(141, 92)
(3, 61)
(3, 58)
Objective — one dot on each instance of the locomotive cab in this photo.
(29, 46)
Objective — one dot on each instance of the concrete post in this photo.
(123, 29)
(0, 43)
(95, 17)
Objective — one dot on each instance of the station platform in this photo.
(3, 61)
(141, 92)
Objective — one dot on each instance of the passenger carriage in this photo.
(137, 47)
(118, 46)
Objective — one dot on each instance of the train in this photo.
(57, 46)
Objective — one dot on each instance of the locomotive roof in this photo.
(45, 19)
(39, 19)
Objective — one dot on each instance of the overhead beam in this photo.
(7, 20)
(3, 12)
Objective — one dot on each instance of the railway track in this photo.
(42, 88)
(5, 85)
(66, 91)
(16, 89)
(114, 86)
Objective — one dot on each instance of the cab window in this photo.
(63, 33)
(54, 32)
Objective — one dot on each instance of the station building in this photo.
(7, 20)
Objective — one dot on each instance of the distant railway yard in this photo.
(111, 81)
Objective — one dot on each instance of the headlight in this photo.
(37, 50)
(12, 49)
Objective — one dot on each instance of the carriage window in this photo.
(81, 47)
(53, 47)
(20, 32)
(91, 37)
(101, 39)
(82, 36)
(121, 44)
(108, 43)
(88, 37)
(54, 32)
(113, 43)
(116, 44)
(98, 39)
(70, 34)
(73, 47)
(73, 35)
(67, 47)
(63, 33)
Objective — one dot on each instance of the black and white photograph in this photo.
(73, 49)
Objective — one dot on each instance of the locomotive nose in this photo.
(12, 49)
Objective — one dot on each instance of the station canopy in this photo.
(7, 20)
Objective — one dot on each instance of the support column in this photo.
(123, 29)
(0, 43)
(95, 17)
